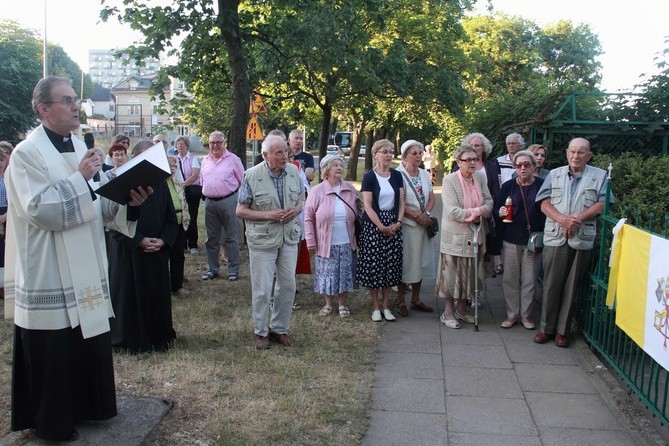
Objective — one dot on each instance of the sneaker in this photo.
(388, 315)
(233, 277)
(210, 276)
(376, 316)
(194, 251)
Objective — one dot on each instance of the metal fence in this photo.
(644, 376)
(591, 116)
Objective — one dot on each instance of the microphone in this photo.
(89, 140)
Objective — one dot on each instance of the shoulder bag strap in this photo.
(355, 214)
(420, 202)
(527, 216)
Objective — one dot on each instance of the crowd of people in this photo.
(85, 275)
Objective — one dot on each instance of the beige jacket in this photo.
(456, 239)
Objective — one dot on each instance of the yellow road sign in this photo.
(253, 130)
(257, 105)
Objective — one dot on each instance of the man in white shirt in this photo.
(514, 143)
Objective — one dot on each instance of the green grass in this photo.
(225, 391)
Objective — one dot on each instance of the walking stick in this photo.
(475, 240)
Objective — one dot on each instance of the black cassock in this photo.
(140, 282)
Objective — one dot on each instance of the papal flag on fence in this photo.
(640, 282)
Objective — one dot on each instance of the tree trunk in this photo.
(368, 150)
(352, 168)
(325, 132)
(228, 20)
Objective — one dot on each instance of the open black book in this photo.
(148, 168)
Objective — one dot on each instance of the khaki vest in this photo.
(587, 193)
(267, 234)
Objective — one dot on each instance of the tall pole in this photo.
(44, 71)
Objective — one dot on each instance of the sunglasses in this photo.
(523, 164)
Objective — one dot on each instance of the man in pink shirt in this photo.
(221, 175)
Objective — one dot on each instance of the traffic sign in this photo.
(253, 130)
(257, 106)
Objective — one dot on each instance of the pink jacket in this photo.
(319, 214)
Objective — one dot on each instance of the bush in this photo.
(639, 185)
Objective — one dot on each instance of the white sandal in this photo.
(325, 311)
(344, 311)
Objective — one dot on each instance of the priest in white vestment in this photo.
(56, 273)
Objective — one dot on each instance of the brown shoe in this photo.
(542, 338)
(262, 342)
(402, 310)
(282, 339)
(561, 340)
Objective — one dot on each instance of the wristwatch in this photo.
(428, 213)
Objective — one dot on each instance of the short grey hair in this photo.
(270, 141)
(184, 139)
(278, 132)
(464, 148)
(42, 91)
(487, 145)
(217, 133)
(528, 154)
(517, 137)
(295, 132)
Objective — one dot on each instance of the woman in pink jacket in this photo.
(329, 228)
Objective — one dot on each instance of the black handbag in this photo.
(434, 229)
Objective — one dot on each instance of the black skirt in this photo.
(60, 378)
(380, 256)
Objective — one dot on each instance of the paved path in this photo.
(439, 386)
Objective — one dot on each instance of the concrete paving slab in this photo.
(136, 419)
(414, 336)
(527, 351)
(554, 378)
(410, 365)
(494, 383)
(501, 416)
(466, 335)
(406, 429)
(551, 436)
(567, 410)
(408, 395)
(461, 439)
(483, 356)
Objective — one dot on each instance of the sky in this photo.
(631, 33)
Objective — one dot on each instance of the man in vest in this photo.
(270, 201)
(571, 197)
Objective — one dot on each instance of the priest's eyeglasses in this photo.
(67, 101)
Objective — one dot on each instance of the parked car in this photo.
(343, 140)
(334, 150)
(362, 150)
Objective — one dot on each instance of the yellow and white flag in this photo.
(640, 281)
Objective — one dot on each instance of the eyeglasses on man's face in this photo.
(67, 101)
(469, 160)
(525, 164)
(216, 143)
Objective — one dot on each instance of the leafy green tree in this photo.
(211, 58)
(21, 55)
(60, 64)
(654, 106)
(520, 72)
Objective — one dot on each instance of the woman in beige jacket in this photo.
(466, 206)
